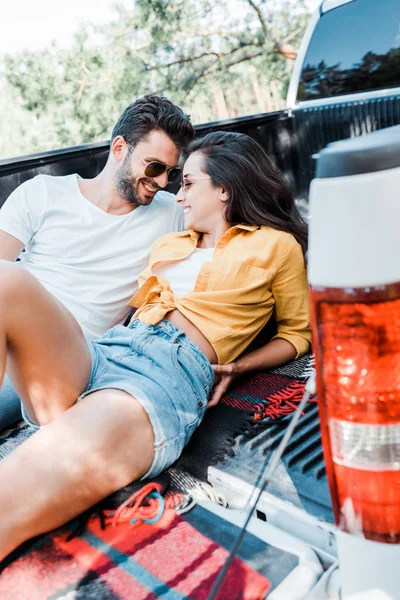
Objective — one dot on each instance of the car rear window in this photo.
(354, 48)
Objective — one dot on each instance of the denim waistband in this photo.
(174, 334)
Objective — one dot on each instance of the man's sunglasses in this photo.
(156, 168)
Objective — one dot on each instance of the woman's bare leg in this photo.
(48, 358)
(96, 447)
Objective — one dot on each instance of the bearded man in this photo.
(86, 240)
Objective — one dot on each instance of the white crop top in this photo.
(182, 275)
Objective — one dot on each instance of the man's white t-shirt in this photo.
(86, 257)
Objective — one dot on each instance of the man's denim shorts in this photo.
(165, 371)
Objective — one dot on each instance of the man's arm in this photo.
(10, 246)
(21, 216)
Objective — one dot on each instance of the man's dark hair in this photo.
(152, 112)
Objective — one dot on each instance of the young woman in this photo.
(143, 389)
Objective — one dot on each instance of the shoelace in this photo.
(144, 506)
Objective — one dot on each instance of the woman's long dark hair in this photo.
(258, 192)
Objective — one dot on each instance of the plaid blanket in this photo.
(133, 556)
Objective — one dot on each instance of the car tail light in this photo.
(354, 272)
(357, 344)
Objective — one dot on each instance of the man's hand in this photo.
(224, 375)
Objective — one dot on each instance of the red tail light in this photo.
(357, 345)
(354, 272)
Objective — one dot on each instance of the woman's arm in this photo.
(290, 291)
(277, 352)
(291, 294)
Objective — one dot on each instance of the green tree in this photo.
(215, 59)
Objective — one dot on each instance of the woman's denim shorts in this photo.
(165, 371)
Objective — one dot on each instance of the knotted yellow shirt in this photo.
(254, 271)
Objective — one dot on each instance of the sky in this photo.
(34, 24)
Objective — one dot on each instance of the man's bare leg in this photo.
(86, 450)
(99, 445)
(48, 357)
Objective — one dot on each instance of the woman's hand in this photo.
(224, 375)
(277, 352)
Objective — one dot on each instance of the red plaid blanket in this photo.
(128, 559)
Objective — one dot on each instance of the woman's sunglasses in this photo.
(156, 168)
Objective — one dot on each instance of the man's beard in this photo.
(126, 184)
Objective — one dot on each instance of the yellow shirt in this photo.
(254, 271)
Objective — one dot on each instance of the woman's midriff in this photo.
(176, 318)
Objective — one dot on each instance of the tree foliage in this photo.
(215, 59)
